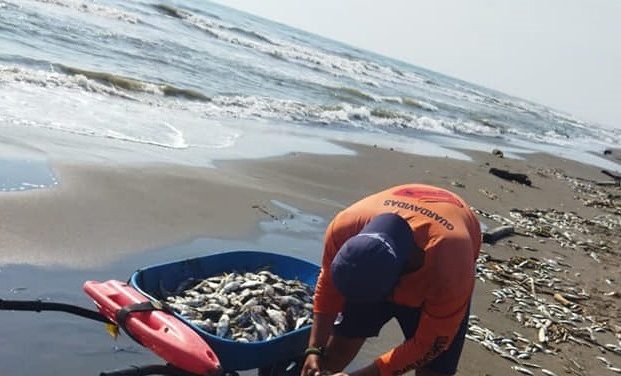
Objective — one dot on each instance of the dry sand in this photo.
(99, 214)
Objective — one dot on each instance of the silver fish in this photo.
(222, 327)
(523, 370)
(547, 372)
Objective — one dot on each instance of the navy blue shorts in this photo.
(363, 320)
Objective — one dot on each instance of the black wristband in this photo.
(314, 351)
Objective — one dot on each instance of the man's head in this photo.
(368, 265)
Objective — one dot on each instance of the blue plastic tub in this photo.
(234, 355)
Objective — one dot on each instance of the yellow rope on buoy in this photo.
(113, 330)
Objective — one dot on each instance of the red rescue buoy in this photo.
(158, 330)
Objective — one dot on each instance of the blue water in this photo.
(21, 175)
(193, 81)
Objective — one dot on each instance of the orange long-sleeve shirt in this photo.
(449, 234)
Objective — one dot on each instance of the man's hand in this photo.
(320, 332)
(312, 366)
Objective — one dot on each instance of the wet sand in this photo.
(101, 215)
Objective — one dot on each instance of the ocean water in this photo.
(192, 81)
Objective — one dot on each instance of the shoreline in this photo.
(97, 213)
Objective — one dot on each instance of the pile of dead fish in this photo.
(536, 296)
(589, 192)
(549, 223)
(246, 307)
(539, 293)
(567, 228)
(514, 347)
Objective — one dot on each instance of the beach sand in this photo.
(101, 214)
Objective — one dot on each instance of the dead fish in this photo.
(250, 284)
(523, 370)
(245, 305)
(261, 330)
(604, 360)
(531, 365)
(301, 321)
(231, 286)
(289, 301)
(510, 357)
(542, 336)
(547, 372)
(277, 317)
(223, 326)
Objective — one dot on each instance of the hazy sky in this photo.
(562, 53)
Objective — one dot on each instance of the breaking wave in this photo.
(419, 104)
(170, 10)
(97, 82)
(130, 84)
(370, 115)
(54, 79)
(344, 113)
(348, 92)
(363, 71)
(212, 27)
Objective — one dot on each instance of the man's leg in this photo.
(444, 364)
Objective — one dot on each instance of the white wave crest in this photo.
(344, 113)
(382, 119)
(473, 128)
(92, 8)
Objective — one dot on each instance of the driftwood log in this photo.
(611, 183)
(511, 176)
(495, 234)
(617, 177)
